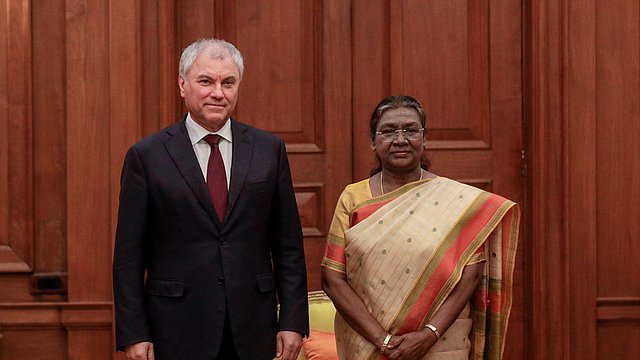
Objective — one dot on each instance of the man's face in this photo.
(210, 90)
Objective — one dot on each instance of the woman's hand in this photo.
(351, 307)
(410, 346)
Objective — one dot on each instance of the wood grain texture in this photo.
(17, 242)
(4, 125)
(616, 179)
(88, 150)
(618, 164)
(54, 331)
(371, 76)
(544, 224)
(126, 67)
(49, 136)
(284, 79)
(580, 198)
(582, 80)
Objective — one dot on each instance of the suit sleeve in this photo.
(129, 256)
(288, 253)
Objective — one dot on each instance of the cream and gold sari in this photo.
(404, 252)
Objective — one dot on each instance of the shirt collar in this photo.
(197, 132)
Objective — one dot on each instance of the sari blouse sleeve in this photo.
(334, 255)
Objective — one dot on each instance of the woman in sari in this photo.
(418, 266)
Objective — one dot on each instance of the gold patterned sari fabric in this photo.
(406, 252)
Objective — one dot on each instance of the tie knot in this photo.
(212, 139)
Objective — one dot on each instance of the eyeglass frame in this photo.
(396, 135)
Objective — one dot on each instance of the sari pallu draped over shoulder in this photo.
(405, 252)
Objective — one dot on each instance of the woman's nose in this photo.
(400, 138)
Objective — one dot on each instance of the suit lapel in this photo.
(181, 151)
(242, 150)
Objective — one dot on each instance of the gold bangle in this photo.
(434, 329)
(385, 343)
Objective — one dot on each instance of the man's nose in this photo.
(216, 91)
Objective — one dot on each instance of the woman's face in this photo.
(400, 155)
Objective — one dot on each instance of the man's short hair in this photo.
(216, 48)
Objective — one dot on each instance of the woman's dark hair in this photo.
(396, 102)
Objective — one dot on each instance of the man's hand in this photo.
(288, 345)
(139, 351)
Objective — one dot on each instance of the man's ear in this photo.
(373, 145)
(181, 82)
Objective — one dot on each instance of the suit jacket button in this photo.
(220, 280)
(223, 241)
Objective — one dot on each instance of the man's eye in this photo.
(387, 132)
(412, 131)
(204, 82)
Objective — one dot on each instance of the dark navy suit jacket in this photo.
(177, 269)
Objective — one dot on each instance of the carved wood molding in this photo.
(46, 315)
(618, 309)
(310, 199)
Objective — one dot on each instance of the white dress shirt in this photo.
(203, 149)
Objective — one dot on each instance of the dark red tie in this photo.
(216, 177)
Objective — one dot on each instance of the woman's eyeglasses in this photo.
(389, 135)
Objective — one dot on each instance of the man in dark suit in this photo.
(209, 238)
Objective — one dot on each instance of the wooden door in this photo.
(462, 61)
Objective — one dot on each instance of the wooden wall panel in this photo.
(16, 243)
(49, 138)
(198, 19)
(27, 343)
(371, 77)
(618, 129)
(580, 217)
(4, 129)
(160, 55)
(88, 132)
(583, 73)
(617, 179)
(547, 278)
(283, 91)
(335, 165)
(125, 101)
(55, 331)
(444, 45)
(618, 340)
(439, 53)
